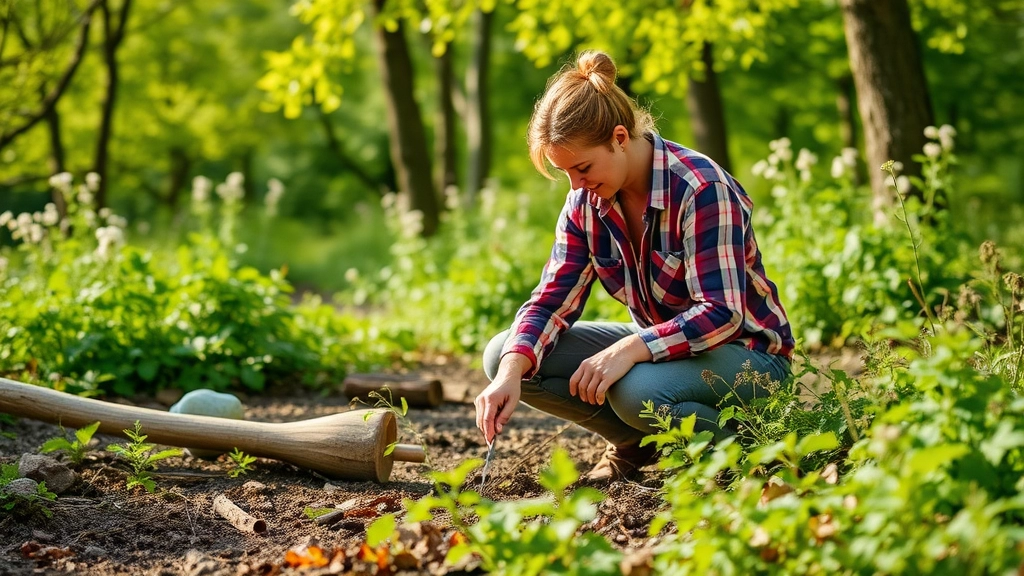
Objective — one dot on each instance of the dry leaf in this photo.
(774, 489)
(637, 563)
(831, 473)
(456, 539)
(312, 556)
(822, 527)
(37, 551)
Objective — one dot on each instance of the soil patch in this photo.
(98, 527)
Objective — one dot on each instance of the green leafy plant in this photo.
(243, 463)
(141, 458)
(527, 536)
(74, 448)
(7, 420)
(23, 505)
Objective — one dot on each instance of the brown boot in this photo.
(621, 463)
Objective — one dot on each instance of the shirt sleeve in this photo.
(714, 223)
(557, 301)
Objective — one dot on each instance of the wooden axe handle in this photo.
(347, 445)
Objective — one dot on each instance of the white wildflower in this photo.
(946, 135)
(805, 175)
(931, 132)
(24, 220)
(36, 233)
(850, 157)
(499, 224)
(805, 159)
(201, 186)
(838, 167)
(229, 192)
(773, 159)
(50, 215)
(62, 181)
(54, 377)
(90, 217)
(897, 166)
(759, 167)
(275, 189)
(387, 200)
(235, 179)
(902, 183)
(6, 217)
(451, 197)
(109, 237)
(770, 173)
(37, 217)
(412, 222)
(785, 153)
(351, 275)
(84, 195)
(119, 221)
(932, 150)
(92, 181)
(3, 264)
(779, 144)
(105, 213)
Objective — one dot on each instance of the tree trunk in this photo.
(56, 157)
(892, 94)
(113, 34)
(478, 117)
(704, 102)
(444, 131)
(408, 141)
(180, 165)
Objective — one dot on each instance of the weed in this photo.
(243, 463)
(140, 456)
(7, 420)
(23, 505)
(74, 448)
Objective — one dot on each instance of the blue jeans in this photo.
(676, 384)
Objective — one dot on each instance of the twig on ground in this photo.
(238, 518)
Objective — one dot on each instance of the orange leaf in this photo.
(312, 556)
(383, 558)
(457, 538)
(366, 553)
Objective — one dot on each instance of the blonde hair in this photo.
(581, 107)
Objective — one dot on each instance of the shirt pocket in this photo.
(668, 279)
(612, 274)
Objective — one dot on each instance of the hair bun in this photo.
(598, 69)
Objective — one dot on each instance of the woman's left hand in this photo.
(597, 374)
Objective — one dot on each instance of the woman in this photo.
(667, 232)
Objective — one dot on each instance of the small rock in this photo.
(41, 536)
(199, 564)
(254, 487)
(24, 487)
(94, 552)
(328, 487)
(204, 402)
(57, 476)
(621, 538)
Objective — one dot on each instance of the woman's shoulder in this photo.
(687, 170)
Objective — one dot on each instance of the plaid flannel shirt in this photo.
(698, 284)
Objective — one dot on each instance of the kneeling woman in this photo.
(668, 233)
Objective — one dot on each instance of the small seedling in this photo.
(242, 461)
(141, 458)
(23, 505)
(74, 449)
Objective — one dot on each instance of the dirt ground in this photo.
(98, 527)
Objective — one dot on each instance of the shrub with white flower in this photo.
(275, 190)
(110, 238)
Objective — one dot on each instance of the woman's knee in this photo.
(492, 354)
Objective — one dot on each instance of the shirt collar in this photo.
(659, 194)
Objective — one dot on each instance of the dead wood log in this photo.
(237, 517)
(417, 390)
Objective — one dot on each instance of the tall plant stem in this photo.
(913, 243)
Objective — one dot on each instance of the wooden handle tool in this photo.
(347, 445)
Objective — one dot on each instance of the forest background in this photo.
(311, 115)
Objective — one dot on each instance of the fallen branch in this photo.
(417, 390)
(238, 517)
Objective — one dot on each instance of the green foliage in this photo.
(141, 457)
(314, 513)
(527, 536)
(243, 463)
(7, 420)
(88, 312)
(74, 448)
(22, 505)
(839, 273)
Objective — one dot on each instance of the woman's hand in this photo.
(597, 374)
(494, 406)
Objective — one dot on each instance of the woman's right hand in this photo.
(494, 406)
